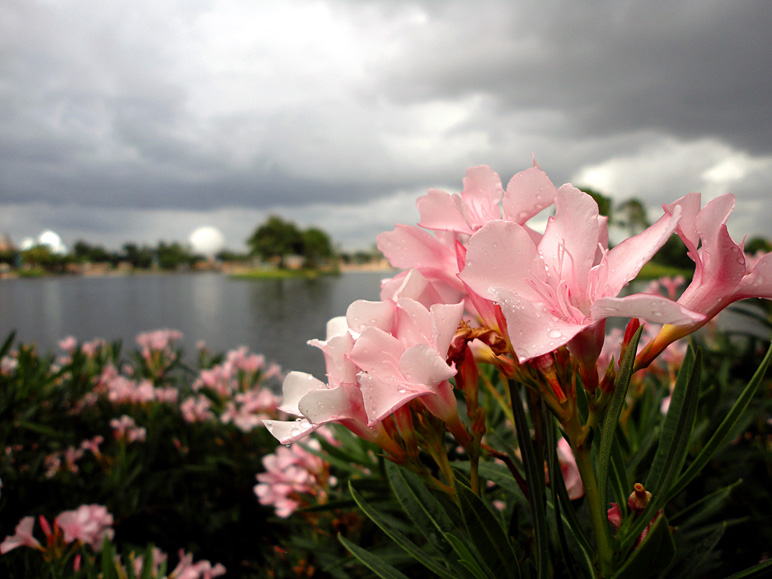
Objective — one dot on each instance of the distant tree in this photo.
(172, 256)
(317, 247)
(674, 254)
(632, 215)
(138, 257)
(756, 244)
(276, 239)
(84, 251)
(42, 256)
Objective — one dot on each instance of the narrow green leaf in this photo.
(487, 534)
(534, 481)
(147, 563)
(7, 344)
(673, 445)
(671, 423)
(705, 507)
(411, 548)
(652, 555)
(557, 483)
(466, 557)
(423, 508)
(723, 430)
(761, 570)
(611, 420)
(371, 561)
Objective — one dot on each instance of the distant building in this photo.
(6, 245)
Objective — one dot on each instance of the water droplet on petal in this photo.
(554, 334)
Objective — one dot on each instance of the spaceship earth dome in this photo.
(207, 240)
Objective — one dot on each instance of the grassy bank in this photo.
(282, 273)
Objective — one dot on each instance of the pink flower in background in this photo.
(124, 428)
(68, 344)
(196, 409)
(187, 569)
(553, 289)
(569, 469)
(89, 524)
(293, 476)
(22, 537)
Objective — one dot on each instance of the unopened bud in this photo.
(639, 498)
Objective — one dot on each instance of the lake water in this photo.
(272, 317)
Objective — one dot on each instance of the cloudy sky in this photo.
(142, 120)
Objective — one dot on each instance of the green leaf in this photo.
(673, 424)
(371, 561)
(723, 430)
(652, 555)
(534, 480)
(466, 558)
(423, 508)
(487, 534)
(673, 445)
(611, 420)
(411, 548)
(761, 570)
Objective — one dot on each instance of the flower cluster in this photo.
(483, 286)
(293, 477)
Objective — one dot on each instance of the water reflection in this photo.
(273, 317)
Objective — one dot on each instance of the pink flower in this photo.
(291, 473)
(68, 344)
(553, 289)
(88, 524)
(402, 353)
(570, 471)
(722, 272)
(124, 428)
(22, 537)
(187, 569)
(340, 400)
(196, 409)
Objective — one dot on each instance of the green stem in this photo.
(598, 513)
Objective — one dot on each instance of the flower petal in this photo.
(296, 385)
(570, 240)
(625, 260)
(442, 211)
(650, 307)
(333, 404)
(423, 367)
(528, 192)
(289, 431)
(407, 247)
(532, 329)
(501, 255)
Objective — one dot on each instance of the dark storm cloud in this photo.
(225, 106)
(692, 69)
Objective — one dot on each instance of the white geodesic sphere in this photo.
(53, 241)
(207, 241)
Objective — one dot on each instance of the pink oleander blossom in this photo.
(723, 274)
(564, 285)
(124, 428)
(196, 409)
(22, 537)
(293, 477)
(402, 352)
(89, 524)
(316, 403)
(187, 569)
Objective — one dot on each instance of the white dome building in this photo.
(48, 238)
(207, 241)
